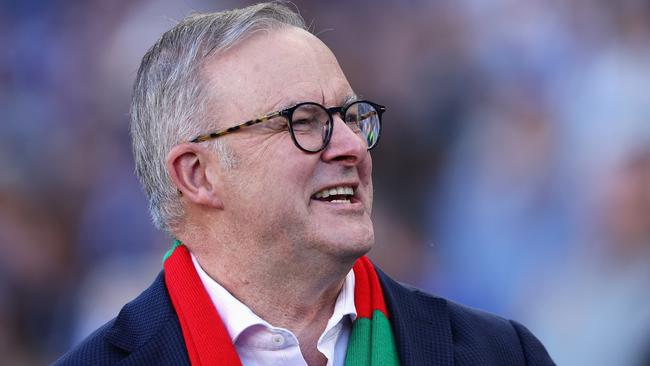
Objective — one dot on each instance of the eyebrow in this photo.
(350, 98)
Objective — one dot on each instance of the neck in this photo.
(296, 292)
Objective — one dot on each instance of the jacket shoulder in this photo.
(461, 334)
(94, 350)
(146, 331)
(476, 331)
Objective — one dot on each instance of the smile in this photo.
(341, 194)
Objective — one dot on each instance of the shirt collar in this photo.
(237, 317)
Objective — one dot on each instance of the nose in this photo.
(345, 145)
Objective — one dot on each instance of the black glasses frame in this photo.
(288, 114)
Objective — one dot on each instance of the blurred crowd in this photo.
(513, 172)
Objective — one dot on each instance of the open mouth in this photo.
(340, 194)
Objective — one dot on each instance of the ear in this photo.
(192, 170)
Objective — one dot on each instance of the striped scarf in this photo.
(208, 342)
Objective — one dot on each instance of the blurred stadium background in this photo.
(513, 173)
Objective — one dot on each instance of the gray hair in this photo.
(170, 95)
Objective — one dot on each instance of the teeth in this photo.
(335, 191)
(340, 201)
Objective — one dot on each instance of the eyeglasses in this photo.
(311, 124)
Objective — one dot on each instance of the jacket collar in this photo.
(420, 322)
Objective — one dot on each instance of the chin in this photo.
(344, 240)
(350, 246)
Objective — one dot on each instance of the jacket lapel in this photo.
(420, 323)
(147, 329)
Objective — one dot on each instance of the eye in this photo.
(305, 124)
(309, 118)
(353, 122)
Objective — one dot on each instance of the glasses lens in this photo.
(363, 119)
(310, 125)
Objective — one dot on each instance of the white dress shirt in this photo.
(259, 343)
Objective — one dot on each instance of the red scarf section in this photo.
(206, 338)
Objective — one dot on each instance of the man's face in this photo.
(270, 193)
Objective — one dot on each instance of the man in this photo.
(271, 214)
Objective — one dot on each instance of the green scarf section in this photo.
(372, 342)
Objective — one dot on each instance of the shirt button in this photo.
(277, 339)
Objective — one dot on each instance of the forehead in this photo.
(272, 69)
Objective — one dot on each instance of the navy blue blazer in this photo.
(428, 330)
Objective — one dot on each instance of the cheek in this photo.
(370, 197)
(281, 181)
(298, 169)
(365, 174)
(365, 170)
(275, 170)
